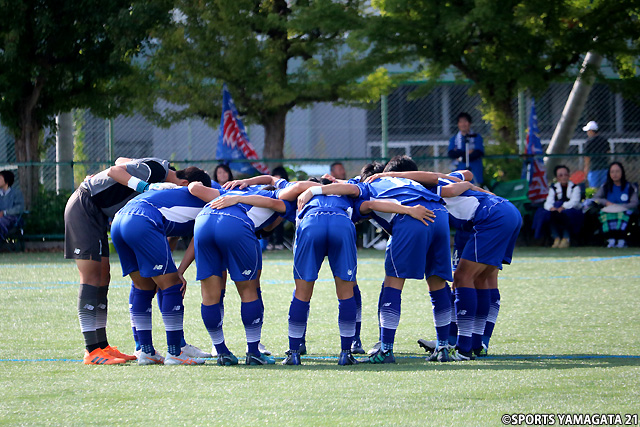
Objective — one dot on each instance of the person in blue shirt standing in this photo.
(139, 233)
(466, 149)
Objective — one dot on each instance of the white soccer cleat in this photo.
(428, 345)
(193, 351)
(263, 349)
(373, 350)
(150, 359)
(137, 353)
(182, 360)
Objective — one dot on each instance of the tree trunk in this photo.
(27, 151)
(505, 128)
(274, 131)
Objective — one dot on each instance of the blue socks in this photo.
(347, 322)
(298, 315)
(212, 318)
(251, 313)
(358, 297)
(453, 325)
(492, 317)
(172, 314)
(141, 314)
(481, 318)
(465, 305)
(441, 302)
(133, 325)
(389, 316)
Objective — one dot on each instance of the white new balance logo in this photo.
(158, 267)
(255, 322)
(462, 312)
(88, 307)
(246, 272)
(76, 251)
(349, 272)
(386, 304)
(102, 306)
(176, 308)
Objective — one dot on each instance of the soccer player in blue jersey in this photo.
(493, 225)
(326, 229)
(139, 232)
(225, 240)
(414, 251)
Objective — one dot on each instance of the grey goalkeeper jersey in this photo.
(110, 196)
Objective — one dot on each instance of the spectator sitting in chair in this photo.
(619, 198)
(563, 206)
(11, 203)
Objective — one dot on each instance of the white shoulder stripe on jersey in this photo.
(180, 214)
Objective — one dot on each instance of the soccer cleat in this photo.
(429, 346)
(460, 356)
(481, 352)
(182, 360)
(621, 243)
(150, 359)
(263, 359)
(356, 347)
(373, 350)
(556, 243)
(564, 243)
(382, 357)
(99, 357)
(137, 353)
(292, 359)
(193, 351)
(113, 351)
(227, 359)
(263, 349)
(440, 354)
(346, 358)
(611, 243)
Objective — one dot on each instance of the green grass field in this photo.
(568, 319)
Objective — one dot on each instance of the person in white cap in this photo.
(595, 168)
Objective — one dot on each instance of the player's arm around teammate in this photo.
(139, 232)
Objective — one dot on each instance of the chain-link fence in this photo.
(323, 133)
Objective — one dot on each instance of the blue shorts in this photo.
(141, 243)
(224, 242)
(320, 234)
(459, 241)
(416, 251)
(494, 235)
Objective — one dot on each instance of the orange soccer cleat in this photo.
(99, 357)
(113, 351)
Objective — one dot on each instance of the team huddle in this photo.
(150, 204)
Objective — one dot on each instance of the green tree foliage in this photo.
(506, 46)
(56, 55)
(273, 54)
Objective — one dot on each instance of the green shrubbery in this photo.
(47, 213)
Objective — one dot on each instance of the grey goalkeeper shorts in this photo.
(85, 228)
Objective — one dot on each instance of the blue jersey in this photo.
(399, 190)
(328, 203)
(469, 207)
(176, 208)
(256, 217)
